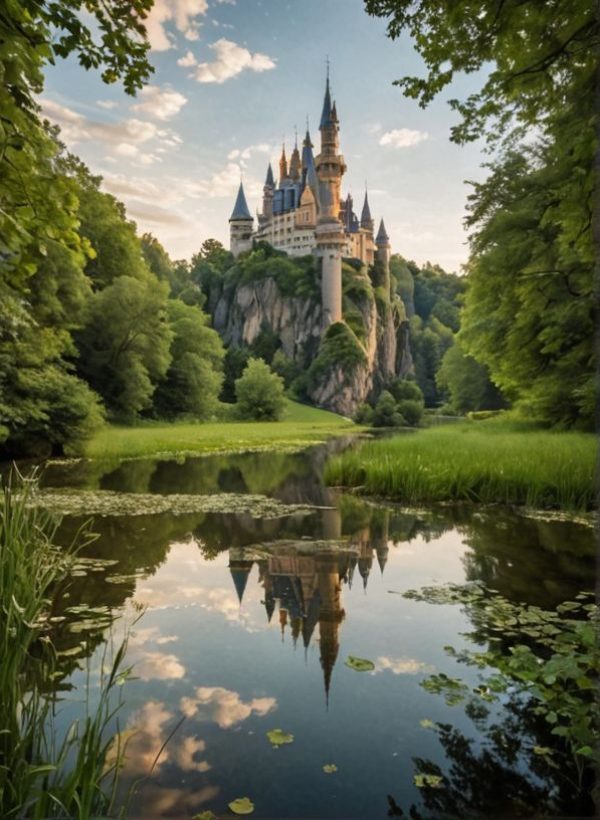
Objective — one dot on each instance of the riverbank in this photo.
(493, 461)
(300, 427)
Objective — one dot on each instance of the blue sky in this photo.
(232, 79)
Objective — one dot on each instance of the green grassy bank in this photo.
(489, 461)
(300, 426)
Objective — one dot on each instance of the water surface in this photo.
(247, 624)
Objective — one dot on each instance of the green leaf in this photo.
(586, 751)
(279, 737)
(330, 768)
(359, 664)
(242, 805)
(428, 781)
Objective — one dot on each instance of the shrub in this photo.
(386, 412)
(406, 389)
(259, 392)
(364, 414)
(411, 410)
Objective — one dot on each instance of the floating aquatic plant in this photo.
(279, 737)
(242, 805)
(330, 768)
(359, 664)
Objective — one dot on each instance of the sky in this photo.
(233, 80)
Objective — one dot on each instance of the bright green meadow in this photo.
(300, 427)
(493, 461)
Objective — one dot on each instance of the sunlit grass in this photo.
(491, 461)
(301, 425)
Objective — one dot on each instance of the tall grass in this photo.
(42, 776)
(490, 461)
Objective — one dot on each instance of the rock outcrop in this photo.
(343, 367)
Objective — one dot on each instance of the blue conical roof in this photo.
(270, 180)
(382, 234)
(240, 209)
(365, 217)
(326, 113)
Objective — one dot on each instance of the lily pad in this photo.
(242, 805)
(359, 664)
(279, 737)
(427, 724)
(205, 815)
(330, 768)
(428, 781)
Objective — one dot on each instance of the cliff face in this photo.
(345, 365)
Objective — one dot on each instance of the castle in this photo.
(305, 214)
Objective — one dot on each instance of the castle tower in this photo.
(329, 232)
(295, 163)
(283, 168)
(330, 616)
(241, 223)
(239, 568)
(384, 252)
(366, 220)
(268, 194)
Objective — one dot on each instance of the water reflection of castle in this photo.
(303, 580)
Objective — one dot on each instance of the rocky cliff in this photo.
(344, 366)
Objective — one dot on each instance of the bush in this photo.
(364, 414)
(259, 392)
(411, 410)
(406, 389)
(386, 412)
(285, 367)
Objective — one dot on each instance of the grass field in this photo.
(301, 426)
(487, 461)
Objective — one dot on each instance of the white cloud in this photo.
(162, 103)
(187, 60)
(223, 706)
(181, 13)
(402, 666)
(373, 127)
(246, 153)
(403, 137)
(231, 60)
(108, 104)
(123, 137)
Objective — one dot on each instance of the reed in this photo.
(487, 462)
(42, 776)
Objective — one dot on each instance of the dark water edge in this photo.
(248, 624)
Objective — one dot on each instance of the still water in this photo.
(246, 626)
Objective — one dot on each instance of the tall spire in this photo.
(366, 220)
(295, 163)
(240, 209)
(269, 180)
(326, 113)
(283, 170)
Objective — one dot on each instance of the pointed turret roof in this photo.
(382, 236)
(326, 113)
(365, 217)
(270, 180)
(240, 209)
(240, 571)
(334, 115)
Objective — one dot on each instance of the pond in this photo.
(243, 625)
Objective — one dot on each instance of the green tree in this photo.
(193, 381)
(386, 413)
(467, 382)
(259, 392)
(124, 346)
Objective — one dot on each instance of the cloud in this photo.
(162, 103)
(187, 60)
(373, 127)
(181, 13)
(246, 153)
(223, 706)
(108, 104)
(154, 214)
(403, 138)
(123, 137)
(231, 60)
(402, 666)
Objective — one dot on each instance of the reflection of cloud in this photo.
(146, 733)
(152, 664)
(402, 666)
(224, 707)
(159, 802)
(158, 666)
